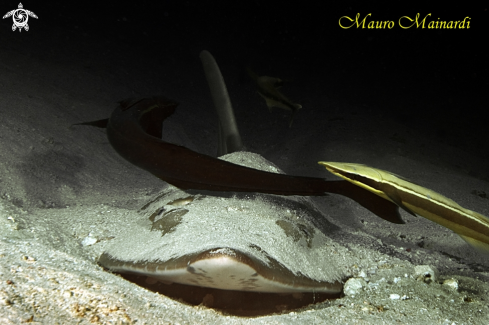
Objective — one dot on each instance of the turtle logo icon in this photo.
(20, 17)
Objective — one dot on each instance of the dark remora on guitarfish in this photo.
(134, 131)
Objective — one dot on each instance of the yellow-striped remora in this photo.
(417, 200)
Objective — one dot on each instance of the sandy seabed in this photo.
(65, 193)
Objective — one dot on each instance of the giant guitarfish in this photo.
(245, 242)
(262, 246)
(246, 262)
(134, 131)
